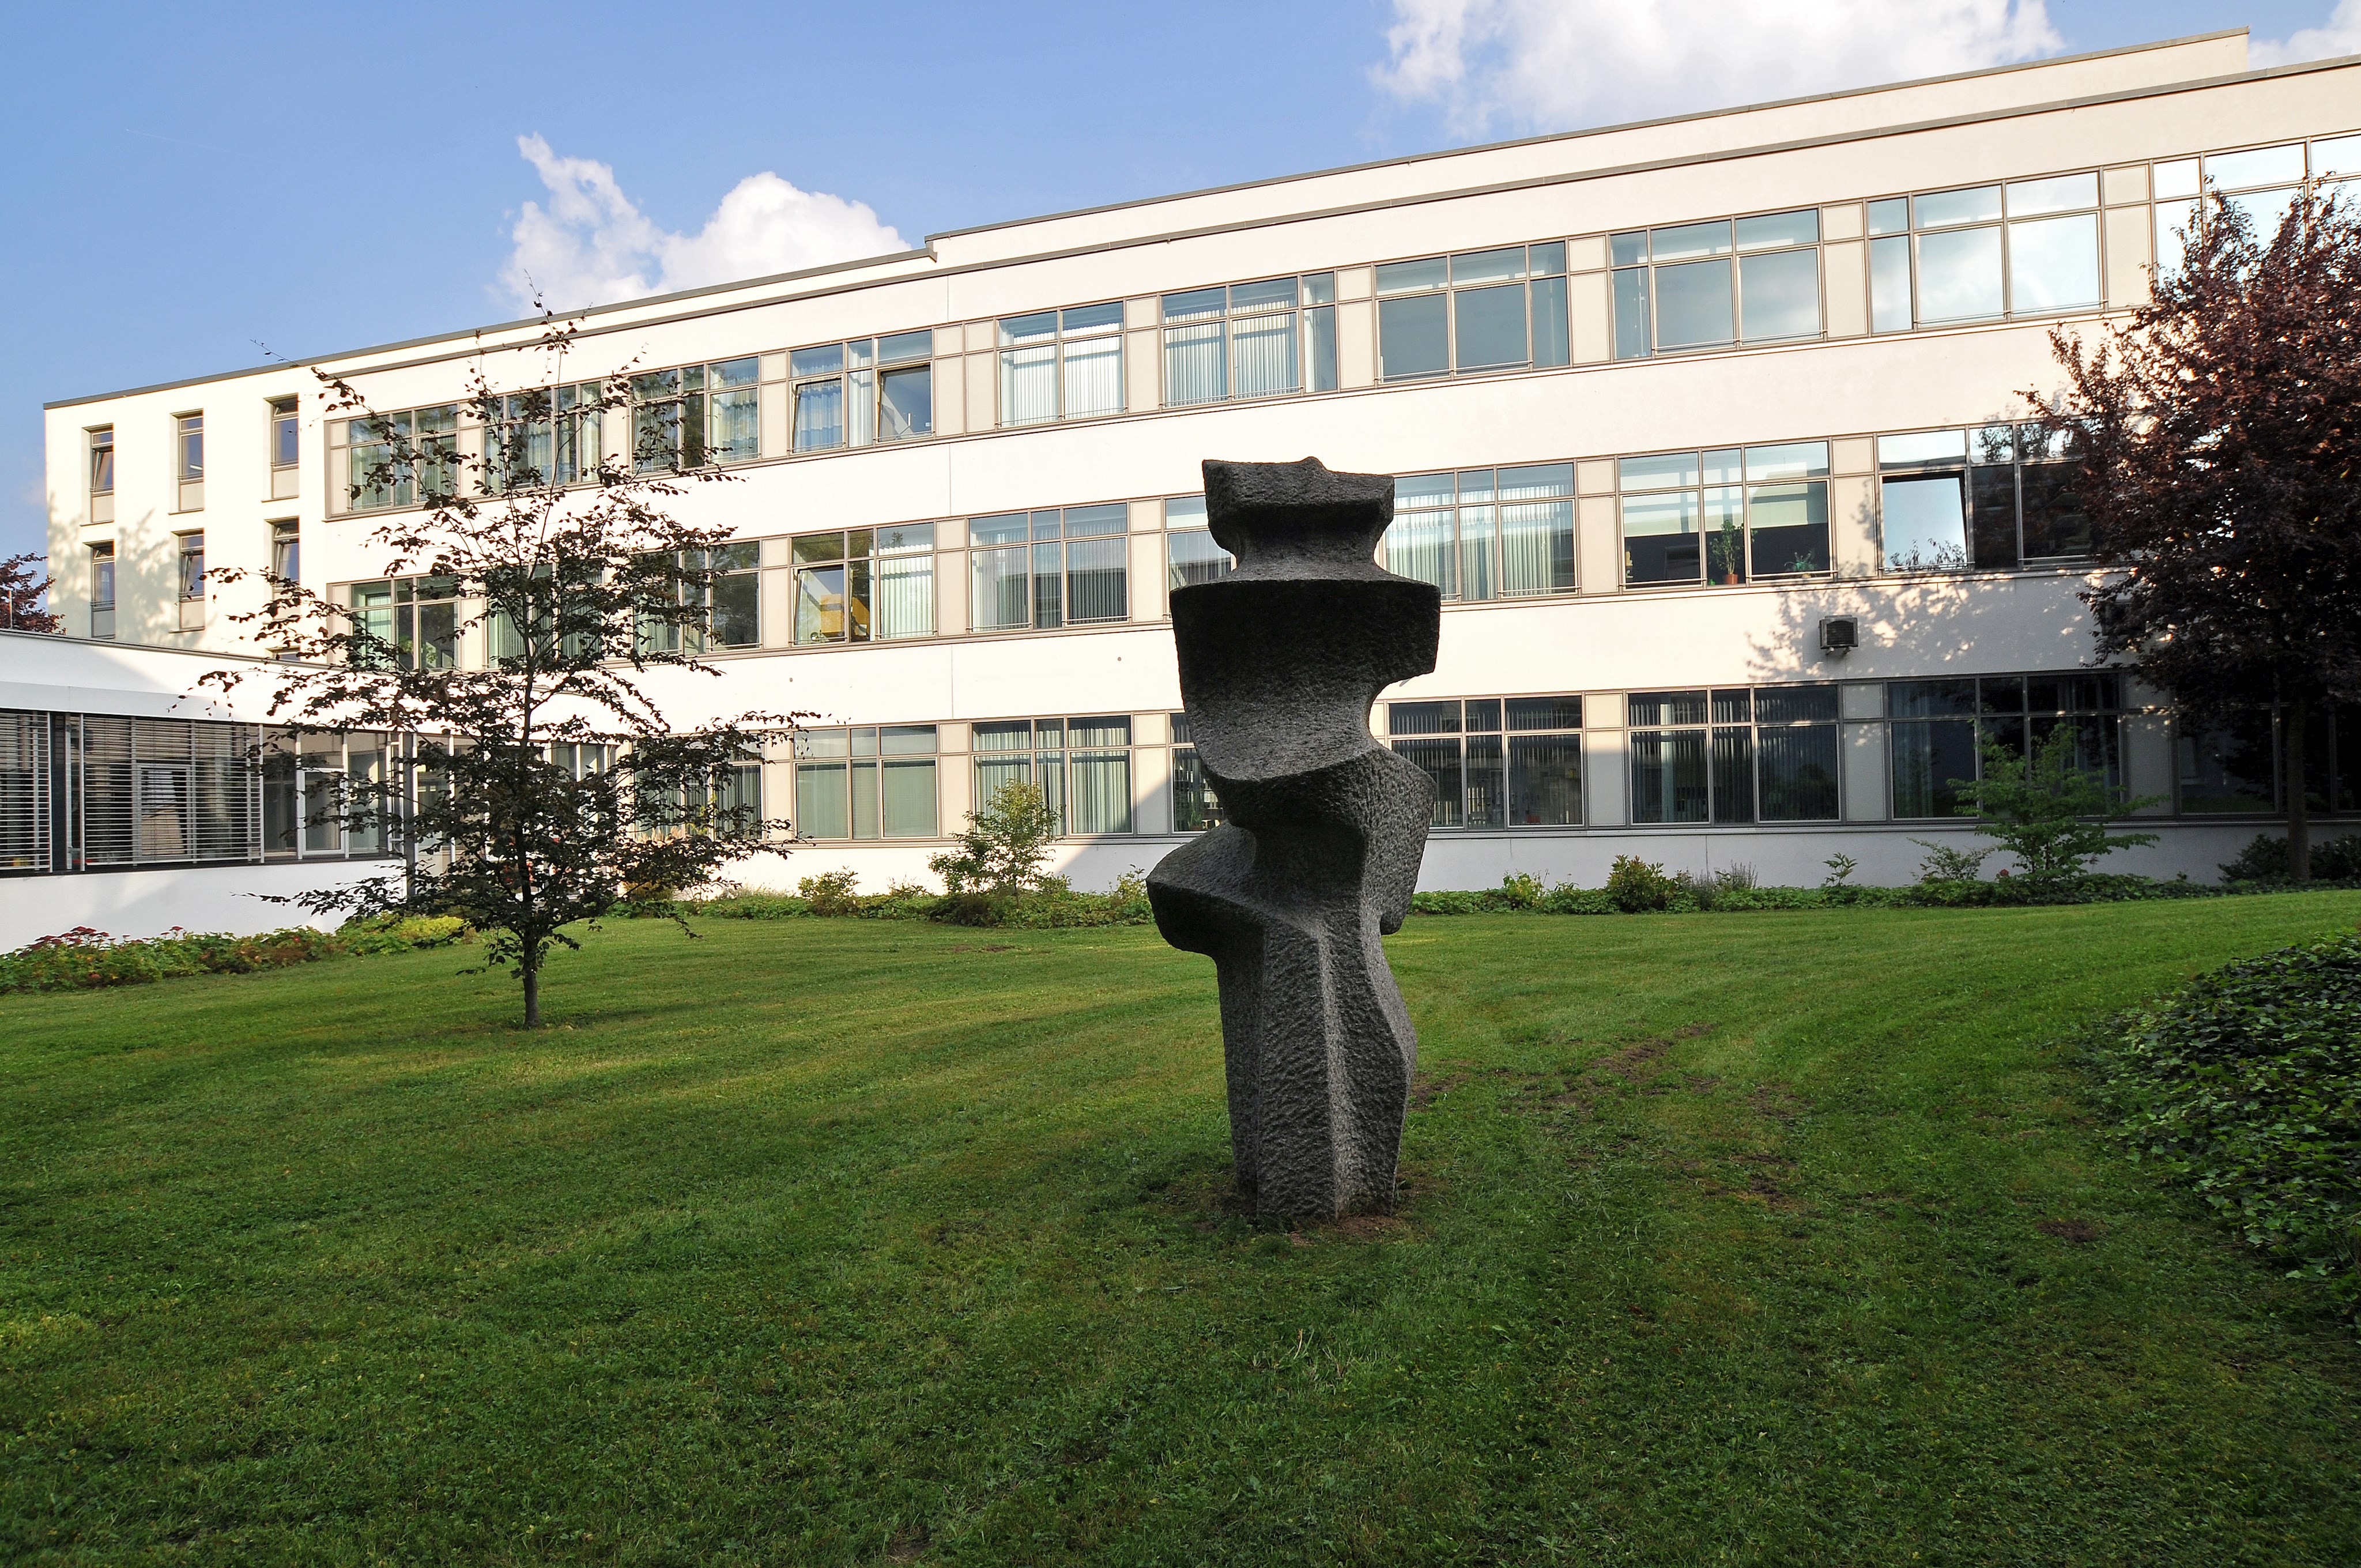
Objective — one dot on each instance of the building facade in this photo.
(1709, 429)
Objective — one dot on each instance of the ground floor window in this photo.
(1939, 729)
(1496, 761)
(1083, 767)
(1735, 755)
(869, 782)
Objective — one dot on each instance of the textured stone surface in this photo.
(1323, 830)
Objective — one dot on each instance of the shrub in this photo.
(1946, 864)
(2047, 811)
(2265, 859)
(829, 893)
(1522, 890)
(2246, 1087)
(1698, 888)
(1005, 844)
(1634, 884)
(1736, 877)
(84, 959)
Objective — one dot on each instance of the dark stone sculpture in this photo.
(1322, 829)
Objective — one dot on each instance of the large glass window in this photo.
(323, 795)
(1714, 285)
(867, 389)
(861, 585)
(1938, 726)
(550, 436)
(1496, 761)
(1988, 497)
(1735, 755)
(1486, 533)
(726, 584)
(1190, 553)
(695, 415)
(414, 621)
(1982, 252)
(1477, 311)
(2259, 181)
(1083, 767)
(377, 475)
(1726, 515)
(1250, 340)
(1194, 805)
(866, 782)
(1058, 365)
(1043, 569)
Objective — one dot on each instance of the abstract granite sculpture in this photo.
(1322, 829)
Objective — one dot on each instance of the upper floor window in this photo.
(1251, 340)
(550, 436)
(1480, 309)
(868, 390)
(286, 433)
(2259, 181)
(1987, 498)
(286, 549)
(191, 449)
(1061, 365)
(695, 415)
(1190, 553)
(864, 585)
(399, 459)
(1051, 568)
(193, 565)
(1530, 776)
(1984, 251)
(726, 584)
(102, 589)
(1485, 533)
(1715, 285)
(1735, 756)
(873, 782)
(1725, 516)
(414, 620)
(101, 461)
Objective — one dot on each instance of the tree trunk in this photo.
(2299, 805)
(530, 963)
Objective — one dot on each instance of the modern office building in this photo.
(1709, 429)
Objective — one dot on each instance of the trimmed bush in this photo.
(2265, 859)
(2245, 1087)
(85, 959)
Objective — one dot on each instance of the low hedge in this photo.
(85, 959)
(2245, 1087)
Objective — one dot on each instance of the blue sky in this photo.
(192, 185)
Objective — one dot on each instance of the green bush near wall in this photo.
(85, 959)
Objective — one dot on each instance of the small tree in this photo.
(20, 596)
(539, 787)
(1005, 845)
(2048, 811)
(2220, 436)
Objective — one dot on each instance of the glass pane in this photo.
(900, 348)
(1483, 715)
(1010, 735)
(1544, 713)
(2060, 194)
(904, 594)
(819, 604)
(1416, 490)
(1491, 323)
(1262, 353)
(821, 810)
(1668, 776)
(1687, 240)
(1095, 580)
(1419, 546)
(1941, 208)
(1319, 349)
(1274, 295)
(1733, 776)
(1487, 785)
(1548, 260)
(1931, 699)
(1799, 774)
(1028, 385)
(1733, 705)
(1092, 383)
(1794, 460)
(1724, 529)
(1544, 781)
(1889, 284)
(1536, 547)
(908, 787)
(906, 403)
(2256, 165)
(1403, 276)
(1799, 228)
(1670, 469)
(1320, 287)
(2053, 264)
(1632, 340)
(1667, 707)
(1789, 525)
(1660, 538)
(1439, 759)
(1048, 596)
(1487, 266)
(1016, 332)
(1922, 449)
(1092, 318)
(1890, 216)
(2230, 770)
(1421, 718)
(737, 621)
(2055, 523)
(1627, 248)
(1930, 761)
(1195, 305)
(734, 425)
(1102, 792)
(1925, 525)
(1107, 517)
(1693, 305)
(1551, 344)
(814, 548)
(2338, 155)
(1535, 481)
(1412, 338)
(1191, 557)
(1782, 294)
(826, 360)
(2177, 178)
(1795, 704)
(2264, 211)
(1959, 275)
(999, 590)
(1194, 807)
(1195, 366)
(1993, 522)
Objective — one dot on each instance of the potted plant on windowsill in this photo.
(1729, 556)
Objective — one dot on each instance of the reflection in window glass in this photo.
(1693, 305)
(2053, 263)
(1782, 294)
(1959, 275)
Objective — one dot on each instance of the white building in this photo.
(1663, 401)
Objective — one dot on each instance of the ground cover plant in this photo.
(88, 960)
(1724, 1240)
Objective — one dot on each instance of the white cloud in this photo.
(590, 246)
(1555, 64)
(2342, 36)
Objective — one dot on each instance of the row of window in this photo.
(94, 791)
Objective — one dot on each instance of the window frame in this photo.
(1622, 268)
(1311, 334)
(1056, 341)
(1487, 722)
(864, 378)
(1534, 278)
(1036, 548)
(2005, 223)
(815, 753)
(1060, 752)
(1703, 492)
(1728, 741)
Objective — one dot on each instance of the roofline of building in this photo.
(1531, 181)
(1482, 148)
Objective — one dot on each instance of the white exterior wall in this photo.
(2113, 112)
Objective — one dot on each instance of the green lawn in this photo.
(1765, 1239)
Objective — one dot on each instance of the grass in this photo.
(1729, 1239)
